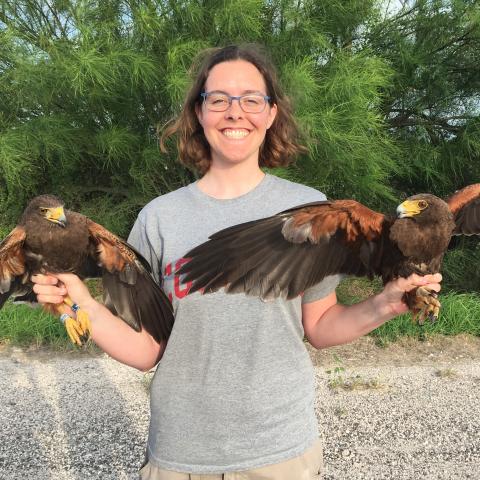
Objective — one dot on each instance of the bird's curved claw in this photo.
(73, 328)
(84, 322)
(79, 328)
(423, 304)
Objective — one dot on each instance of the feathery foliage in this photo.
(387, 101)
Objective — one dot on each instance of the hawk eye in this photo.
(422, 204)
(43, 209)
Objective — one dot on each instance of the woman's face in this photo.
(235, 136)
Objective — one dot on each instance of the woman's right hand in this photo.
(53, 288)
(109, 332)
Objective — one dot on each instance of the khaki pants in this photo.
(308, 466)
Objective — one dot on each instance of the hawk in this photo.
(283, 255)
(50, 239)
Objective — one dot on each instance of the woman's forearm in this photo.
(327, 323)
(342, 324)
(120, 341)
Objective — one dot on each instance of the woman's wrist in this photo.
(384, 309)
(91, 306)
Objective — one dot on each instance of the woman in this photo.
(234, 388)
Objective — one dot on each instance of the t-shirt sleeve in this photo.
(322, 289)
(139, 239)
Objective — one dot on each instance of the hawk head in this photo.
(424, 208)
(46, 207)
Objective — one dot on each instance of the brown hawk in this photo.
(49, 239)
(287, 253)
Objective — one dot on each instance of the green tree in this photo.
(432, 105)
(387, 102)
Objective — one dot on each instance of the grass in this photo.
(339, 379)
(446, 373)
(355, 382)
(353, 290)
(23, 325)
(460, 313)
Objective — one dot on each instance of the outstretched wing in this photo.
(287, 253)
(129, 288)
(465, 206)
(13, 278)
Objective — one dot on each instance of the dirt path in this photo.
(438, 350)
(408, 411)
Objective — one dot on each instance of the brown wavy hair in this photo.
(281, 143)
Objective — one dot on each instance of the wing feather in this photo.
(287, 253)
(465, 206)
(129, 288)
(12, 264)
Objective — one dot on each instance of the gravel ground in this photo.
(401, 413)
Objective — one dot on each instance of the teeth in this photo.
(235, 133)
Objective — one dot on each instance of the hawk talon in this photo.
(423, 304)
(73, 328)
(84, 322)
(79, 328)
(81, 316)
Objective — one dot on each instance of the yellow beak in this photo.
(409, 208)
(56, 215)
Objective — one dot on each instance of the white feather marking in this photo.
(296, 234)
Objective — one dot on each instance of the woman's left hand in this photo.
(392, 295)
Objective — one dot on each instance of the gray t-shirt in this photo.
(234, 389)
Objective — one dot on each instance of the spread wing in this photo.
(287, 253)
(129, 288)
(465, 206)
(14, 280)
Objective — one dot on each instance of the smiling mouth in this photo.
(235, 133)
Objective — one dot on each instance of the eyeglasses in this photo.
(249, 103)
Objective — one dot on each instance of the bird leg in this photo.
(423, 304)
(71, 326)
(82, 317)
(79, 328)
